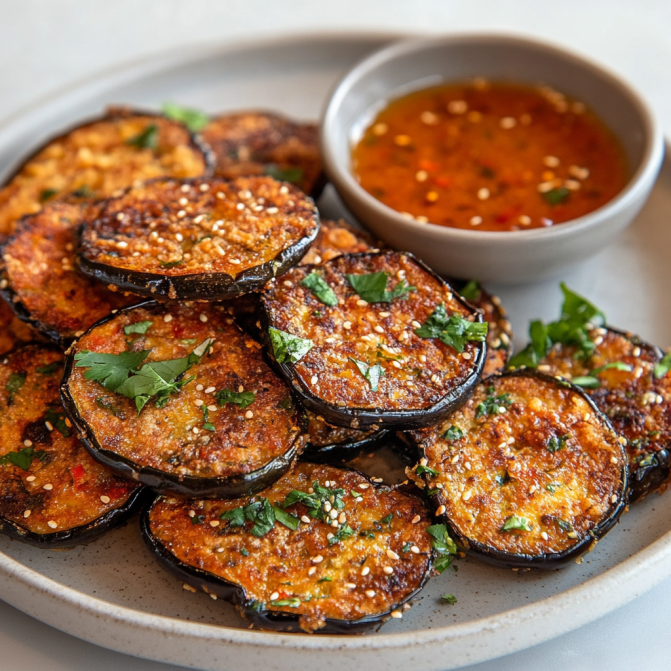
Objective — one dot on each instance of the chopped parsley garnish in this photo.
(314, 502)
(286, 174)
(471, 292)
(50, 369)
(146, 139)
(443, 546)
(319, 287)
(171, 264)
(193, 119)
(552, 487)
(502, 479)
(207, 425)
(454, 330)
(84, 191)
(420, 470)
(285, 403)
(356, 495)
(292, 602)
(197, 519)
(515, 523)
(23, 458)
(242, 399)
(14, 384)
(47, 194)
(557, 196)
(592, 382)
(663, 367)
(371, 373)
(119, 373)
(563, 524)
(406, 547)
(492, 404)
(262, 515)
(139, 327)
(326, 578)
(345, 531)
(616, 365)
(57, 420)
(555, 444)
(586, 381)
(386, 520)
(453, 433)
(108, 405)
(372, 287)
(244, 552)
(287, 347)
(449, 598)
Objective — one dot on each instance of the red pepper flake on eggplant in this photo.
(527, 474)
(201, 239)
(179, 398)
(323, 549)
(41, 280)
(400, 348)
(52, 494)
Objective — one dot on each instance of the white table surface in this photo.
(46, 45)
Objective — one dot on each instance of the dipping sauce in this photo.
(490, 156)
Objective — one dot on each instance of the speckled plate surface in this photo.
(113, 594)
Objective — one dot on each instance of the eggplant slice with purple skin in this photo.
(213, 421)
(529, 473)
(363, 340)
(13, 331)
(52, 494)
(96, 158)
(323, 550)
(199, 239)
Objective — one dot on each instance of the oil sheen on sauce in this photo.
(490, 156)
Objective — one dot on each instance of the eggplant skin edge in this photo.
(81, 535)
(269, 620)
(230, 487)
(328, 454)
(555, 560)
(362, 418)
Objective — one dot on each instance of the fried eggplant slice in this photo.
(620, 378)
(41, 281)
(528, 473)
(499, 334)
(95, 159)
(393, 345)
(263, 143)
(13, 331)
(201, 239)
(336, 238)
(52, 494)
(179, 398)
(323, 549)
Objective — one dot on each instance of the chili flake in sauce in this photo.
(490, 156)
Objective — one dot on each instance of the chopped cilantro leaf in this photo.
(372, 287)
(146, 139)
(371, 373)
(516, 523)
(242, 399)
(244, 552)
(292, 602)
(326, 578)
(57, 420)
(14, 384)
(50, 369)
(193, 119)
(552, 487)
(284, 174)
(453, 433)
(616, 365)
(471, 292)
(492, 403)
(555, 444)
(23, 458)
(663, 367)
(287, 347)
(109, 406)
(171, 264)
(449, 598)
(47, 194)
(420, 470)
(454, 330)
(197, 519)
(287, 519)
(563, 524)
(557, 196)
(260, 513)
(587, 381)
(137, 327)
(443, 546)
(406, 547)
(502, 479)
(345, 531)
(318, 286)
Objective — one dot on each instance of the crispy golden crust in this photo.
(418, 372)
(207, 226)
(285, 564)
(12, 330)
(173, 439)
(43, 281)
(63, 487)
(504, 466)
(638, 405)
(258, 143)
(336, 238)
(97, 159)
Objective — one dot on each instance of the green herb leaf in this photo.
(406, 547)
(326, 578)
(287, 347)
(146, 139)
(242, 399)
(14, 384)
(57, 420)
(502, 479)
(516, 523)
(663, 367)
(207, 425)
(244, 552)
(587, 381)
(260, 513)
(552, 487)
(23, 458)
(283, 517)
(557, 196)
(371, 373)
(443, 546)
(50, 369)
(449, 598)
(471, 292)
(111, 370)
(563, 524)
(491, 404)
(345, 531)
(420, 470)
(386, 520)
(616, 365)
(285, 403)
(197, 519)
(293, 602)
(107, 405)
(525, 358)
(319, 287)
(454, 330)
(372, 287)
(84, 191)
(284, 174)
(556, 444)
(47, 194)
(356, 494)
(171, 264)
(453, 433)
(138, 327)
(193, 119)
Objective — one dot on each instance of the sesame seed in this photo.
(51, 524)
(209, 390)
(572, 184)
(572, 534)
(330, 340)
(544, 187)
(318, 559)
(385, 314)
(380, 129)
(457, 107)
(329, 535)
(613, 460)
(122, 244)
(441, 510)
(422, 358)
(524, 220)
(314, 379)
(312, 570)
(327, 504)
(370, 593)
(305, 519)
(274, 596)
(508, 122)
(27, 442)
(476, 221)
(199, 387)
(192, 513)
(544, 535)
(4, 284)
(503, 409)
(26, 513)
(105, 499)
(365, 570)
(213, 597)
(240, 206)
(350, 585)
(235, 262)
(396, 364)
(402, 140)
(203, 317)
(364, 485)
(379, 329)
(272, 210)
(167, 318)
(421, 175)
(578, 172)
(551, 161)
(342, 518)
(396, 614)
(195, 429)
(465, 496)
(347, 325)
(205, 187)
(416, 519)
(455, 458)
(199, 402)
(212, 408)
(249, 414)
(432, 196)
(533, 488)
(414, 549)
(334, 524)
(48, 487)
(613, 498)
(214, 523)
(466, 355)
(284, 190)
(483, 193)
(388, 570)
(333, 514)
(30, 478)
(361, 303)
(429, 118)
(586, 416)
(391, 554)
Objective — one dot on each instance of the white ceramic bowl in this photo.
(511, 256)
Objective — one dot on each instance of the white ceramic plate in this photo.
(113, 594)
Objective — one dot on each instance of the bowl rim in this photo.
(643, 176)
